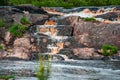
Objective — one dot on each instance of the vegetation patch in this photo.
(109, 50)
(43, 71)
(17, 30)
(24, 20)
(1, 47)
(4, 2)
(1, 23)
(5, 77)
(63, 3)
(90, 19)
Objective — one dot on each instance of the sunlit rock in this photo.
(50, 22)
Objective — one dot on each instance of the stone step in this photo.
(66, 41)
(60, 30)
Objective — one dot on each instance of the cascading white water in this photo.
(57, 41)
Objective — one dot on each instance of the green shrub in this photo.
(4, 77)
(17, 30)
(109, 50)
(24, 20)
(43, 71)
(89, 19)
(1, 47)
(1, 23)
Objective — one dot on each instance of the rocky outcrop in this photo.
(23, 48)
(95, 34)
(71, 36)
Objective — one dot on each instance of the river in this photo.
(64, 70)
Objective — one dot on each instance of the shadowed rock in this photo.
(112, 16)
(30, 8)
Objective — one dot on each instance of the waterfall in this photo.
(51, 29)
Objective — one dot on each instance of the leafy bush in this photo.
(43, 71)
(17, 30)
(109, 50)
(90, 19)
(4, 77)
(1, 47)
(24, 20)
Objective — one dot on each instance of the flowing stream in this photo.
(64, 70)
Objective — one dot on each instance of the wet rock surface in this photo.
(112, 16)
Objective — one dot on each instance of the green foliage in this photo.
(43, 71)
(5, 77)
(90, 19)
(66, 3)
(109, 50)
(3, 2)
(1, 47)
(17, 30)
(24, 20)
(1, 23)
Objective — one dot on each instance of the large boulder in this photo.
(95, 34)
(22, 48)
(86, 53)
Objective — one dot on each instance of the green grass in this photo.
(17, 30)
(109, 50)
(6, 77)
(43, 70)
(89, 19)
(66, 3)
(24, 20)
(1, 47)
